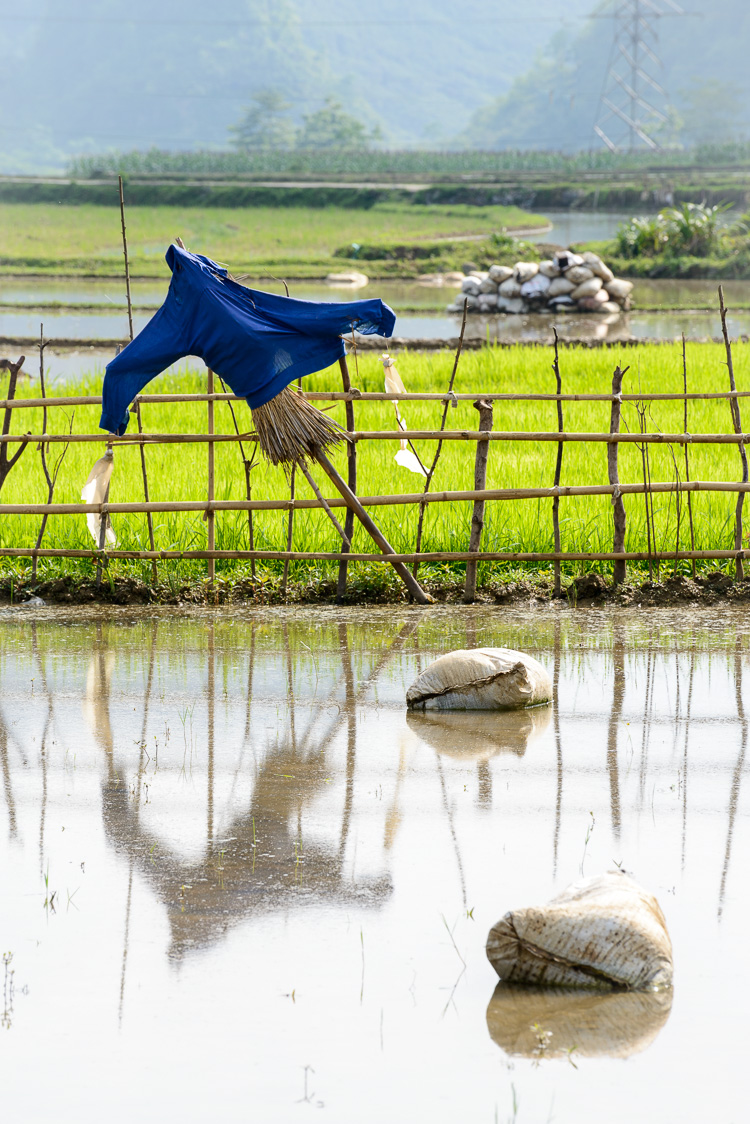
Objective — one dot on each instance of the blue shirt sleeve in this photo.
(161, 343)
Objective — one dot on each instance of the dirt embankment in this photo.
(589, 590)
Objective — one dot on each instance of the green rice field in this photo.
(87, 239)
(179, 472)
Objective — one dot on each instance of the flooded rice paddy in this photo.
(91, 316)
(240, 882)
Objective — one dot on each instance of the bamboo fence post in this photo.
(102, 536)
(247, 464)
(373, 530)
(289, 530)
(480, 479)
(641, 411)
(351, 463)
(687, 454)
(43, 454)
(6, 463)
(210, 517)
(618, 545)
(735, 408)
(558, 465)
(435, 459)
(149, 519)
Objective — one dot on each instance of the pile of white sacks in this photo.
(568, 282)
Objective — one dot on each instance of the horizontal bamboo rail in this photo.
(401, 499)
(391, 435)
(380, 396)
(325, 556)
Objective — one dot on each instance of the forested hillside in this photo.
(88, 75)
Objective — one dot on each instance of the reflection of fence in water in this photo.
(321, 703)
(211, 507)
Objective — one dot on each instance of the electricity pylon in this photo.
(632, 102)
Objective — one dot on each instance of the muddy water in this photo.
(239, 882)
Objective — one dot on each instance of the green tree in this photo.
(265, 123)
(333, 127)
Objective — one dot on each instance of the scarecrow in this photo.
(258, 343)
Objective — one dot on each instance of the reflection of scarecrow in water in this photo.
(258, 865)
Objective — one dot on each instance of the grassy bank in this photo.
(179, 472)
(300, 241)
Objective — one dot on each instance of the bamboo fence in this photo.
(482, 439)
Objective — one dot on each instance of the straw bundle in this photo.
(290, 430)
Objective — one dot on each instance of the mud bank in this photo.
(589, 590)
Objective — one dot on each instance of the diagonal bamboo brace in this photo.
(372, 529)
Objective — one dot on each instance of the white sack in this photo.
(480, 679)
(587, 288)
(94, 491)
(500, 273)
(560, 287)
(536, 287)
(510, 288)
(601, 932)
(470, 286)
(619, 289)
(525, 270)
(549, 268)
(566, 258)
(488, 286)
(579, 273)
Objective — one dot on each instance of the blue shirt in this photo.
(258, 342)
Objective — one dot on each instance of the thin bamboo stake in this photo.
(450, 398)
(558, 465)
(687, 453)
(289, 529)
(210, 517)
(351, 474)
(735, 408)
(618, 544)
(149, 520)
(125, 255)
(477, 515)
(373, 531)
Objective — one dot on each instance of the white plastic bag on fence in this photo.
(405, 457)
(94, 491)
